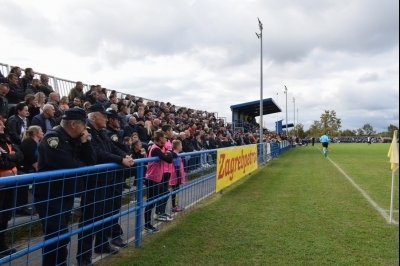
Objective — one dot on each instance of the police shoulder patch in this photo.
(53, 142)
(114, 137)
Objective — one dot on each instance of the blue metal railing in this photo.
(200, 184)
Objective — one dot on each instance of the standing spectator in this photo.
(312, 141)
(4, 89)
(45, 88)
(97, 203)
(9, 158)
(46, 119)
(155, 179)
(66, 147)
(18, 123)
(29, 148)
(76, 91)
(178, 176)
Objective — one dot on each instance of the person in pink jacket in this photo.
(178, 176)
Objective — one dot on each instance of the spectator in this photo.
(33, 87)
(114, 131)
(113, 100)
(77, 103)
(148, 128)
(45, 88)
(65, 147)
(18, 123)
(54, 99)
(178, 176)
(123, 112)
(10, 157)
(155, 180)
(86, 106)
(87, 94)
(76, 91)
(33, 109)
(29, 148)
(130, 127)
(64, 103)
(27, 78)
(16, 93)
(46, 119)
(41, 100)
(100, 190)
(102, 100)
(4, 89)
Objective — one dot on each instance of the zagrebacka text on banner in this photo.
(234, 163)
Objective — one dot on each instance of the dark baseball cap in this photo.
(113, 114)
(98, 108)
(75, 114)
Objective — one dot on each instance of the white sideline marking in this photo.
(393, 210)
(368, 198)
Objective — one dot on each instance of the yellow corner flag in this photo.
(394, 153)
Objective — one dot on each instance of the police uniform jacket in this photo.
(57, 151)
(105, 150)
(117, 137)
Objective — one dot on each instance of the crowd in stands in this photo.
(30, 108)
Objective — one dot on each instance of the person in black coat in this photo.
(46, 119)
(10, 156)
(102, 190)
(18, 123)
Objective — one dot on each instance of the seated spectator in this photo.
(76, 91)
(113, 100)
(77, 103)
(130, 127)
(46, 119)
(102, 100)
(33, 109)
(54, 99)
(64, 103)
(18, 123)
(45, 88)
(27, 78)
(87, 94)
(34, 87)
(86, 106)
(40, 98)
(4, 89)
(123, 112)
(16, 93)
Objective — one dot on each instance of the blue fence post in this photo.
(139, 203)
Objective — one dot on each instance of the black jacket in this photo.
(9, 158)
(16, 94)
(14, 125)
(57, 151)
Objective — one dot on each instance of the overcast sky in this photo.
(332, 55)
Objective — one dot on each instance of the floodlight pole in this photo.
(259, 36)
(297, 129)
(285, 92)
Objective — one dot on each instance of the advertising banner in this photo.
(234, 163)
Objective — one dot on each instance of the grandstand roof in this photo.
(253, 108)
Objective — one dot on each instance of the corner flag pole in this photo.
(393, 154)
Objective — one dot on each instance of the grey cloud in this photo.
(367, 77)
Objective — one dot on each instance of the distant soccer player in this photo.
(369, 141)
(324, 139)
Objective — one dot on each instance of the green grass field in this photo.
(299, 209)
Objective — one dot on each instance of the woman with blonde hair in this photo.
(40, 98)
(147, 126)
(29, 148)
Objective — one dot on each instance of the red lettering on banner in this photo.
(221, 163)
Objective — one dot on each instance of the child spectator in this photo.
(178, 176)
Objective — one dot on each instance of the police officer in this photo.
(67, 146)
(97, 203)
(117, 137)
